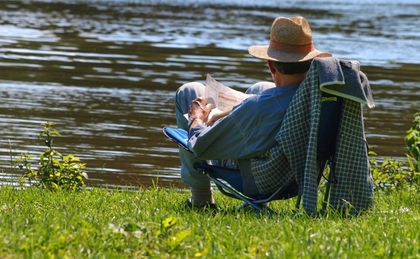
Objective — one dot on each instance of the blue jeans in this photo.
(183, 99)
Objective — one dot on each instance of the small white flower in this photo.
(404, 209)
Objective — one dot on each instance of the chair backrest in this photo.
(329, 122)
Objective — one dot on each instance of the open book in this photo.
(222, 97)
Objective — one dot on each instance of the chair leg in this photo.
(328, 186)
(326, 195)
(259, 208)
(298, 201)
(233, 193)
(251, 204)
(246, 204)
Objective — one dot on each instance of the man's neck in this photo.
(282, 80)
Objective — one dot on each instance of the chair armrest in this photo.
(179, 136)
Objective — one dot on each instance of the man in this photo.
(249, 129)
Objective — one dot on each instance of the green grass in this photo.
(154, 223)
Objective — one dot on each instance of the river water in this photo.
(106, 71)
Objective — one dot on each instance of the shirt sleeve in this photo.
(232, 137)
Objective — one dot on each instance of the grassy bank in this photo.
(154, 222)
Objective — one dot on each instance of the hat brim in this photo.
(266, 53)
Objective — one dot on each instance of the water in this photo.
(105, 71)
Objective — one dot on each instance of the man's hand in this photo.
(199, 112)
(216, 117)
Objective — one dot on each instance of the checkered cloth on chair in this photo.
(294, 157)
(354, 186)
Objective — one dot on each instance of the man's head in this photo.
(290, 51)
(291, 68)
(290, 42)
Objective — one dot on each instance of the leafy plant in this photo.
(391, 174)
(173, 238)
(54, 171)
(412, 140)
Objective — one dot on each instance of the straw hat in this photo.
(290, 41)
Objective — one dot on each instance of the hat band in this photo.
(291, 48)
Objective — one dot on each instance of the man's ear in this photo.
(271, 66)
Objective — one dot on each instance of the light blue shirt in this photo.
(248, 131)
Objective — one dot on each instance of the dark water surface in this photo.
(105, 71)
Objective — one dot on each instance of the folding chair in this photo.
(229, 181)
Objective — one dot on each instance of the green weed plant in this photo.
(54, 170)
(391, 174)
(412, 140)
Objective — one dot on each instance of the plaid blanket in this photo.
(295, 157)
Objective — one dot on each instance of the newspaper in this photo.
(222, 97)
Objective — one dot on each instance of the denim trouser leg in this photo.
(183, 99)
